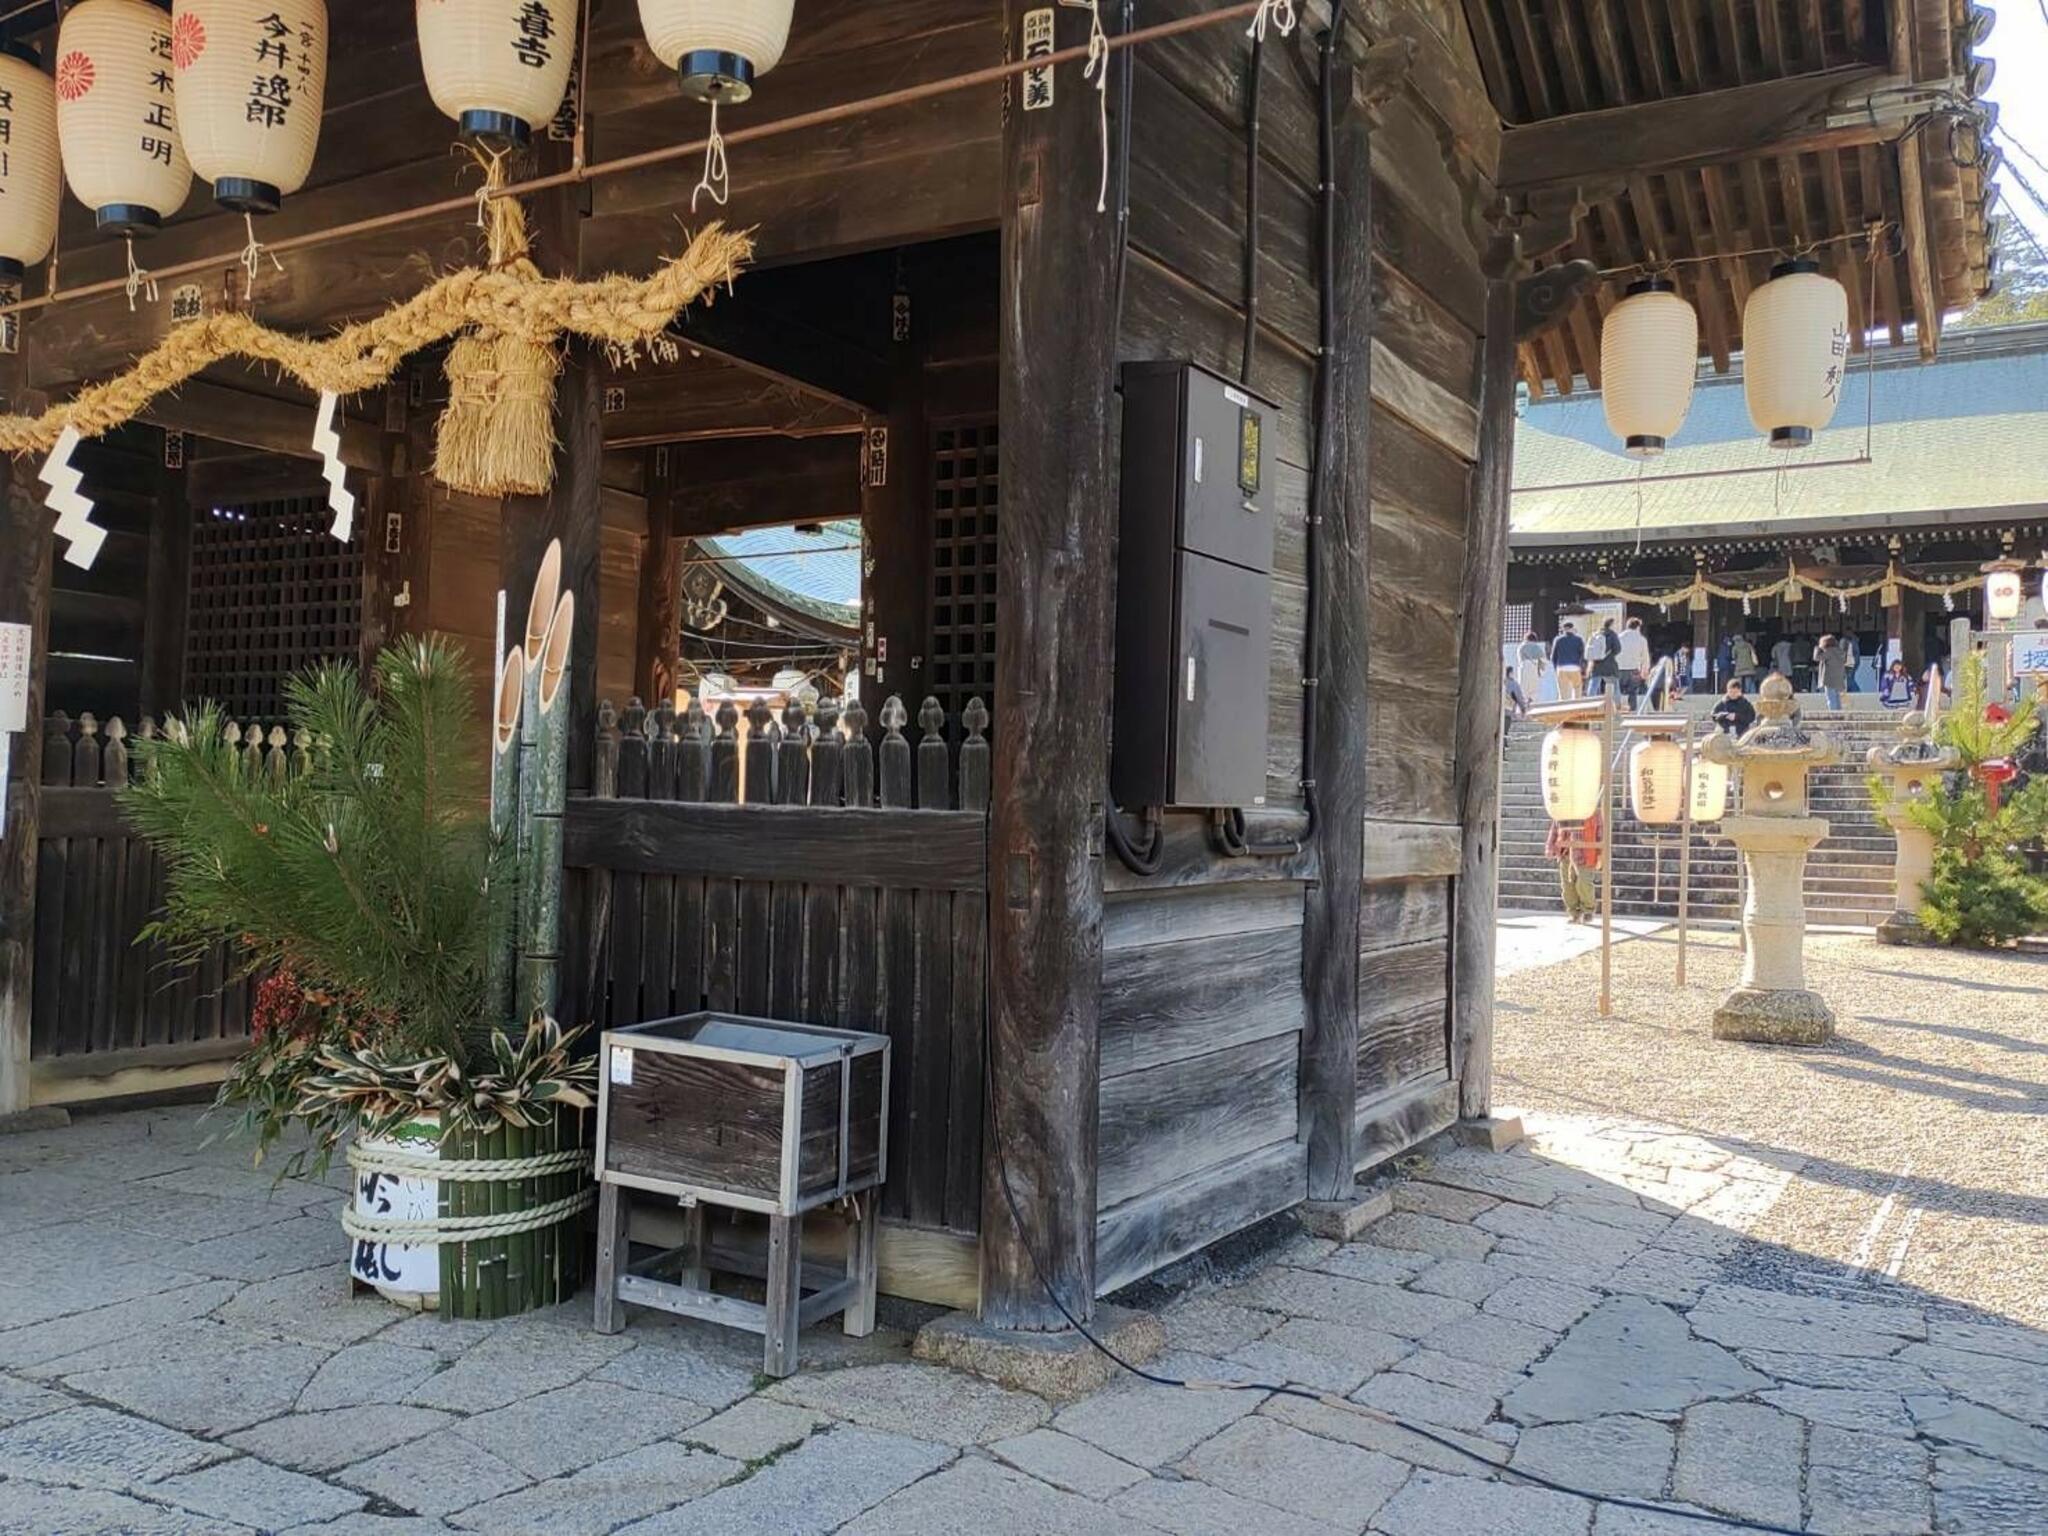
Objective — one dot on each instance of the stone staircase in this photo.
(1848, 877)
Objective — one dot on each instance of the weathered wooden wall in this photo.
(1203, 981)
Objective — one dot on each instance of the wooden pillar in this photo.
(166, 594)
(1052, 677)
(1478, 736)
(658, 635)
(1343, 512)
(24, 599)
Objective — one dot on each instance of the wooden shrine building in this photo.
(1121, 1031)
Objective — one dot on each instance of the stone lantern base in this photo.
(1902, 928)
(1774, 1016)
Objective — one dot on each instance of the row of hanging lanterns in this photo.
(141, 97)
(1574, 779)
(1795, 349)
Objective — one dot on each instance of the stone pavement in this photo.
(178, 1355)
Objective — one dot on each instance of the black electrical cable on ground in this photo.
(1115, 830)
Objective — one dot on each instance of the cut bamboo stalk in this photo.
(544, 784)
(450, 1254)
(505, 749)
(500, 1202)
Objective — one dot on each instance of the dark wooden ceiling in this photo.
(1734, 166)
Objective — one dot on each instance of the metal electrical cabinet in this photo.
(1194, 590)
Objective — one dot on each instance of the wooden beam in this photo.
(276, 425)
(658, 635)
(24, 599)
(1919, 242)
(1476, 781)
(1796, 115)
(1329, 1041)
(1058, 348)
(723, 486)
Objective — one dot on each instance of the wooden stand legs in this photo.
(679, 1280)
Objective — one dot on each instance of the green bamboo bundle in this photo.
(544, 785)
(505, 747)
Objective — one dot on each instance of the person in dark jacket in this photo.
(1568, 660)
(1734, 714)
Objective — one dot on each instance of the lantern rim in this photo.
(487, 125)
(713, 74)
(1643, 445)
(1791, 437)
(1649, 285)
(135, 220)
(1794, 266)
(14, 48)
(245, 194)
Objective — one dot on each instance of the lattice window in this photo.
(1517, 619)
(272, 593)
(964, 497)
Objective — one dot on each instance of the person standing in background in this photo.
(1831, 669)
(1781, 658)
(1681, 672)
(1568, 660)
(1632, 659)
(1742, 661)
(1600, 648)
(1530, 663)
(1576, 852)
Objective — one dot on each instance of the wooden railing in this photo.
(99, 994)
(806, 871)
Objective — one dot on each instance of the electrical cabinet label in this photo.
(1250, 429)
(622, 1066)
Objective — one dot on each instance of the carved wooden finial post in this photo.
(633, 750)
(724, 787)
(114, 761)
(934, 761)
(895, 754)
(763, 737)
(826, 749)
(85, 760)
(605, 760)
(857, 762)
(974, 764)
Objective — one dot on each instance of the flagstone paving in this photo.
(1600, 1308)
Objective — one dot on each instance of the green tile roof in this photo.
(1967, 433)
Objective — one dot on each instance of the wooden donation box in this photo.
(754, 1115)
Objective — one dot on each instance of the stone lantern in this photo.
(1773, 833)
(1914, 764)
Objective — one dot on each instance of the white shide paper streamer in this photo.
(74, 511)
(328, 441)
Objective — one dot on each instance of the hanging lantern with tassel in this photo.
(717, 47)
(1571, 774)
(1649, 352)
(31, 182)
(117, 117)
(497, 66)
(251, 85)
(1795, 352)
(1656, 782)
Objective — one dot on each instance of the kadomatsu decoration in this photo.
(497, 433)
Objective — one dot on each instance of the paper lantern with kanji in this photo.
(1649, 352)
(1656, 782)
(717, 47)
(251, 85)
(2002, 593)
(1709, 789)
(1795, 352)
(497, 66)
(117, 114)
(1571, 774)
(31, 183)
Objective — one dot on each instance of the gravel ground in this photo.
(1920, 1136)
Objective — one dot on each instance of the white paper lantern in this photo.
(117, 116)
(2002, 594)
(1649, 352)
(1656, 782)
(1709, 789)
(1795, 352)
(31, 183)
(717, 47)
(251, 85)
(1571, 774)
(497, 66)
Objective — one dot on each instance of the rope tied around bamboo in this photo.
(497, 433)
(447, 1228)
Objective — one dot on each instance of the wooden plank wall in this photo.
(847, 890)
(1185, 1160)
(99, 993)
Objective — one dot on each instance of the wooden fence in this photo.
(803, 870)
(111, 1015)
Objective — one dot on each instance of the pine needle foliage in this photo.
(1963, 724)
(362, 869)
